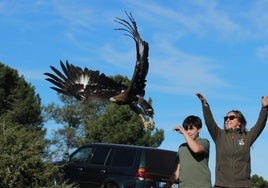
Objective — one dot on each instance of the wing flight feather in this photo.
(83, 84)
(138, 81)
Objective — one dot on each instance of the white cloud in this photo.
(262, 52)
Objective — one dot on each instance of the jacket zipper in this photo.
(233, 149)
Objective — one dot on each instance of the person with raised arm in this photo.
(233, 142)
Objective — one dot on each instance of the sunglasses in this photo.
(229, 117)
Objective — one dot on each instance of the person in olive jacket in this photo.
(233, 142)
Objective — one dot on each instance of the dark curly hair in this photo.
(241, 119)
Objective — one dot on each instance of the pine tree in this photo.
(70, 117)
(258, 182)
(22, 135)
(118, 124)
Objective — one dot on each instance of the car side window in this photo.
(82, 155)
(123, 157)
(100, 156)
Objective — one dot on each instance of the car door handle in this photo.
(80, 169)
(102, 171)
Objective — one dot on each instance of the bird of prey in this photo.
(87, 84)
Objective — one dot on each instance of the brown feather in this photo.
(89, 84)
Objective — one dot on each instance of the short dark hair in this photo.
(191, 121)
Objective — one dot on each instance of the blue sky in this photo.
(218, 48)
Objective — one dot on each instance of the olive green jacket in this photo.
(233, 166)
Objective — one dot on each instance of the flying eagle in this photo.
(86, 84)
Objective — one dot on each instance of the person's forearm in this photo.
(193, 145)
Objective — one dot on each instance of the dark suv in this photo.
(119, 166)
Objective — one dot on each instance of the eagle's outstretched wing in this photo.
(138, 82)
(83, 84)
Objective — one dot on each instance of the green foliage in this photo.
(120, 79)
(71, 116)
(21, 135)
(258, 182)
(118, 124)
(18, 98)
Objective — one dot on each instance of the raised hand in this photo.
(201, 97)
(264, 102)
(178, 129)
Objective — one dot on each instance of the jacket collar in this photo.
(237, 130)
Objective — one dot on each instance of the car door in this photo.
(73, 169)
(97, 169)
